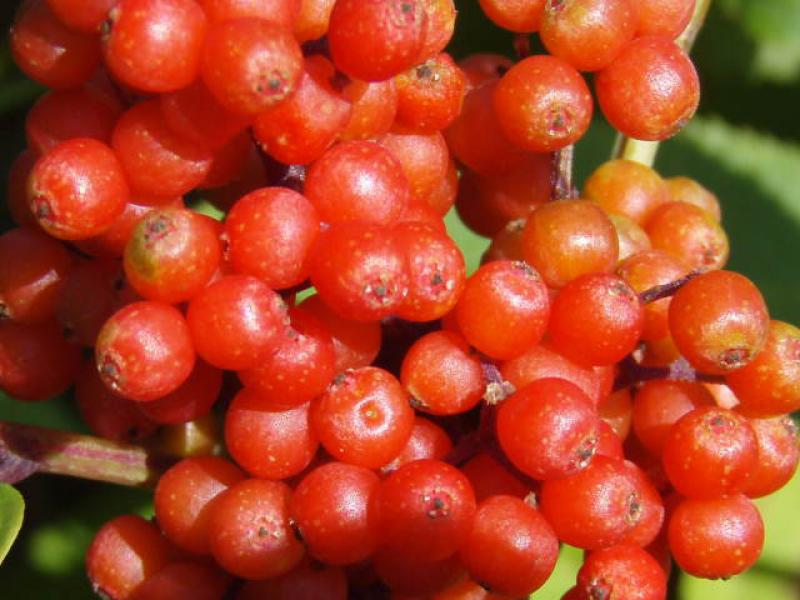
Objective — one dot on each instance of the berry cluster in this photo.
(405, 430)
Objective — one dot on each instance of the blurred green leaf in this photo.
(12, 508)
(753, 585)
(773, 27)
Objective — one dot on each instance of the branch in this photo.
(25, 450)
(642, 151)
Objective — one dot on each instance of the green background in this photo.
(744, 145)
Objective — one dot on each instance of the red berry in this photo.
(330, 508)
(364, 418)
(376, 40)
(622, 572)
(650, 90)
(77, 189)
(250, 530)
(511, 548)
(548, 429)
(716, 538)
(144, 351)
(155, 45)
(543, 104)
(425, 510)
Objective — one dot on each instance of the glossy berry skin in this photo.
(47, 52)
(596, 320)
(124, 553)
(355, 343)
(496, 154)
(521, 16)
(33, 271)
(360, 271)
(364, 418)
(768, 385)
(299, 129)
(107, 414)
(184, 496)
(236, 321)
(622, 572)
(144, 351)
(77, 189)
(489, 477)
(84, 16)
(642, 105)
(424, 159)
(280, 12)
(663, 17)
(519, 311)
(690, 234)
(659, 404)
(156, 161)
(181, 579)
(594, 508)
(719, 321)
(425, 510)
(415, 576)
(441, 374)
(543, 104)
(427, 440)
(250, 531)
(548, 429)
(270, 233)
(430, 94)
(358, 181)
(488, 204)
(250, 64)
(172, 254)
(60, 115)
(685, 189)
(543, 361)
(436, 271)
(193, 399)
(330, 508)
(307, 581)
(645, 270)
(710, 452)
(564, 240)
(511, 548)
(628, 188)
(440, 27)
(716, 538)
(376, 40)
(36, 362)
(155, 45)
(778, 455)
(588, 34)
(268, 443)
(299, 369)
(373, 107)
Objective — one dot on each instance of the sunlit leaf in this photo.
(12, 508)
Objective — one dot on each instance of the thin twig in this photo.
(561, 183)
(668, 289)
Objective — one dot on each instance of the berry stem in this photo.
(668, 289)
(631, 372)
(642, 151)
(562, 174)
(522, 45)
(26, 449)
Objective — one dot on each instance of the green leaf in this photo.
(773, 27)
(12, 508)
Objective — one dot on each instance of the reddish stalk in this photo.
(25, 450)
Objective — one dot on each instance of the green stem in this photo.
(640, 150)
(25, 450)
